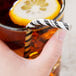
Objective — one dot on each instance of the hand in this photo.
(14, 65)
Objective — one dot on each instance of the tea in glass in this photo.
(12, 28)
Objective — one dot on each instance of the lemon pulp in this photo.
(24, 11)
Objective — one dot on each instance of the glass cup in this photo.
(14, 37)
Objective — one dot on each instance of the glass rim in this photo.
(21, 29)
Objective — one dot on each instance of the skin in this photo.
(14, 65)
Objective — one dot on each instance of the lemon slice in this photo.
(24, 11)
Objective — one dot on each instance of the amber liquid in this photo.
(39, 38)
(5, 6)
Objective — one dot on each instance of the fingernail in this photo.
(61, 34)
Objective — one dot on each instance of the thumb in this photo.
(52, 50)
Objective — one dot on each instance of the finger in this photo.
(5, 51)
(8, 56)
(52, 50)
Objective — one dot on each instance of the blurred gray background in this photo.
(68, 65)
